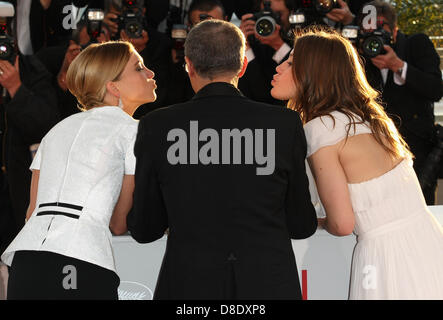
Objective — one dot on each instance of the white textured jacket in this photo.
(82, 161)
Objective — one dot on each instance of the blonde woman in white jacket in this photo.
(82, 182)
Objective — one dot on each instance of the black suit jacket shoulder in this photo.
(189, 184)
(222, 211)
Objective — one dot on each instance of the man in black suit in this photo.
(265, 53)
(232, 196)
(180, 89)
(408, 76)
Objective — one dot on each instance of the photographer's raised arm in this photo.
(10, 76)
(247, 26)
(342, 14)
(110, 20)
(33, 110)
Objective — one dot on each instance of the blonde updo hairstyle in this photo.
(93, 68)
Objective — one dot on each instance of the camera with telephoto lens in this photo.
(369, 43)
(7, 44)
(265, 20)
(131, 20)
(309, 12)
(94, 18)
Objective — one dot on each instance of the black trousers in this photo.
(421, 153)
(42, 275)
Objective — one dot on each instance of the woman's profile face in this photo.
(283, 82)
(136, 84)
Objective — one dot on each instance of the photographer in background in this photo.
(156, 10)
(347, 11)
(28, 110)
(39, 23)
(124, 17)
(180, 89)
(408, 76)
(264, 53)
(333, 13)
(57, 59)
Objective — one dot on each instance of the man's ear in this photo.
(243, 69)
(189, 67)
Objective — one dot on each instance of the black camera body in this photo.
(131, 20)
(309, 12)
(321, 7)
(265, 20)
(371, 43)
(8, 50)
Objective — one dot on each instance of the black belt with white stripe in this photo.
(60, 205)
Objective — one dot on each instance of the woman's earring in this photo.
(120, 103)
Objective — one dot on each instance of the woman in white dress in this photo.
(363, 171)
(82, 182)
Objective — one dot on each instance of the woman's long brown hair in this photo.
(329, 76)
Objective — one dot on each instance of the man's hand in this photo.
(138, 43)
(45, 4)
(113, 26)
(104, 36)
(247, 26)
(390, 60)
(72, 51)
(10, 76)
(343, 15)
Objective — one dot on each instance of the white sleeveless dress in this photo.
(399, 250)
